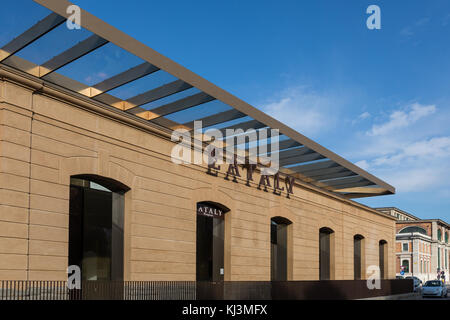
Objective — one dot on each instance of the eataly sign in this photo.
(233, 172)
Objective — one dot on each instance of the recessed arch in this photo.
(280, 249)
(218, 197)
(359, 261)
(96, 226)
(210, 244)
(326, 253)
(109, 183)
(383, 258)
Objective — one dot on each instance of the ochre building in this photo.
(87, 178)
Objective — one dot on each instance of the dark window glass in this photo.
(96, 230)
(278, 249)
(325, 253)
(357, 259)
(382, 251)
(210, 245)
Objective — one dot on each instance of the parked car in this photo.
(434, 288)
(399, 277)
(417, 282)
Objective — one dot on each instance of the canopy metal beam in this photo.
(342, 174)
(314, 166)
(210, 91)
(362, 183)
(159, 93)
(35, 32)
(315, 174)
(178, 105)
(244, 126)
(303, 158)
(125, 77)
(217, 118)
(77, 51)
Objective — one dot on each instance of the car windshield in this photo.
(433, 284)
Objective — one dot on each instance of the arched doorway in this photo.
(210, 241)
(358, 256)
(96, 223)
(279, 248)
(326, 254)
(383, 258)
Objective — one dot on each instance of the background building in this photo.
(422, 246)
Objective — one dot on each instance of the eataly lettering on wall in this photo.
(233, 172)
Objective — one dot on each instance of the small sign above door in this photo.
(209, 211)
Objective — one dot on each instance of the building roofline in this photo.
(399, 210)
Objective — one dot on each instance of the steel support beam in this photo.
(299, 159)
(342, 174)
(125, 77)
(217, 118)
(178, 105)
(244, 126)
(35, 32)
(159, 93)
(314, 166)
(350, 185)
(74, 53)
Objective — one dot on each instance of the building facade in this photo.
(87, 178)
(422, 246)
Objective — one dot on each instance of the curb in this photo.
(413, 295)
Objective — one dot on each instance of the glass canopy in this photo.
(101, 63)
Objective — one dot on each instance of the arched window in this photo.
(358, 256)
(279, 248)
(439, 234)
(326, 254)
(96, 218)
(413, 229)
(383, 258)
(446, 237)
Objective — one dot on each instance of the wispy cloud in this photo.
(303, 109)
(402, 118)
(397, 151)
(406, 32)
(409, 31)
(363, 116)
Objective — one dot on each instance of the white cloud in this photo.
(427, 150)
(303, 109)
(410, 149)
(406, 32)
(363, 164)
(422, 21)
(364, 115)
(361, 117)
(401, 119)
(416, 179)
(418, 166)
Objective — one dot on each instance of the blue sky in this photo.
(380, 98)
